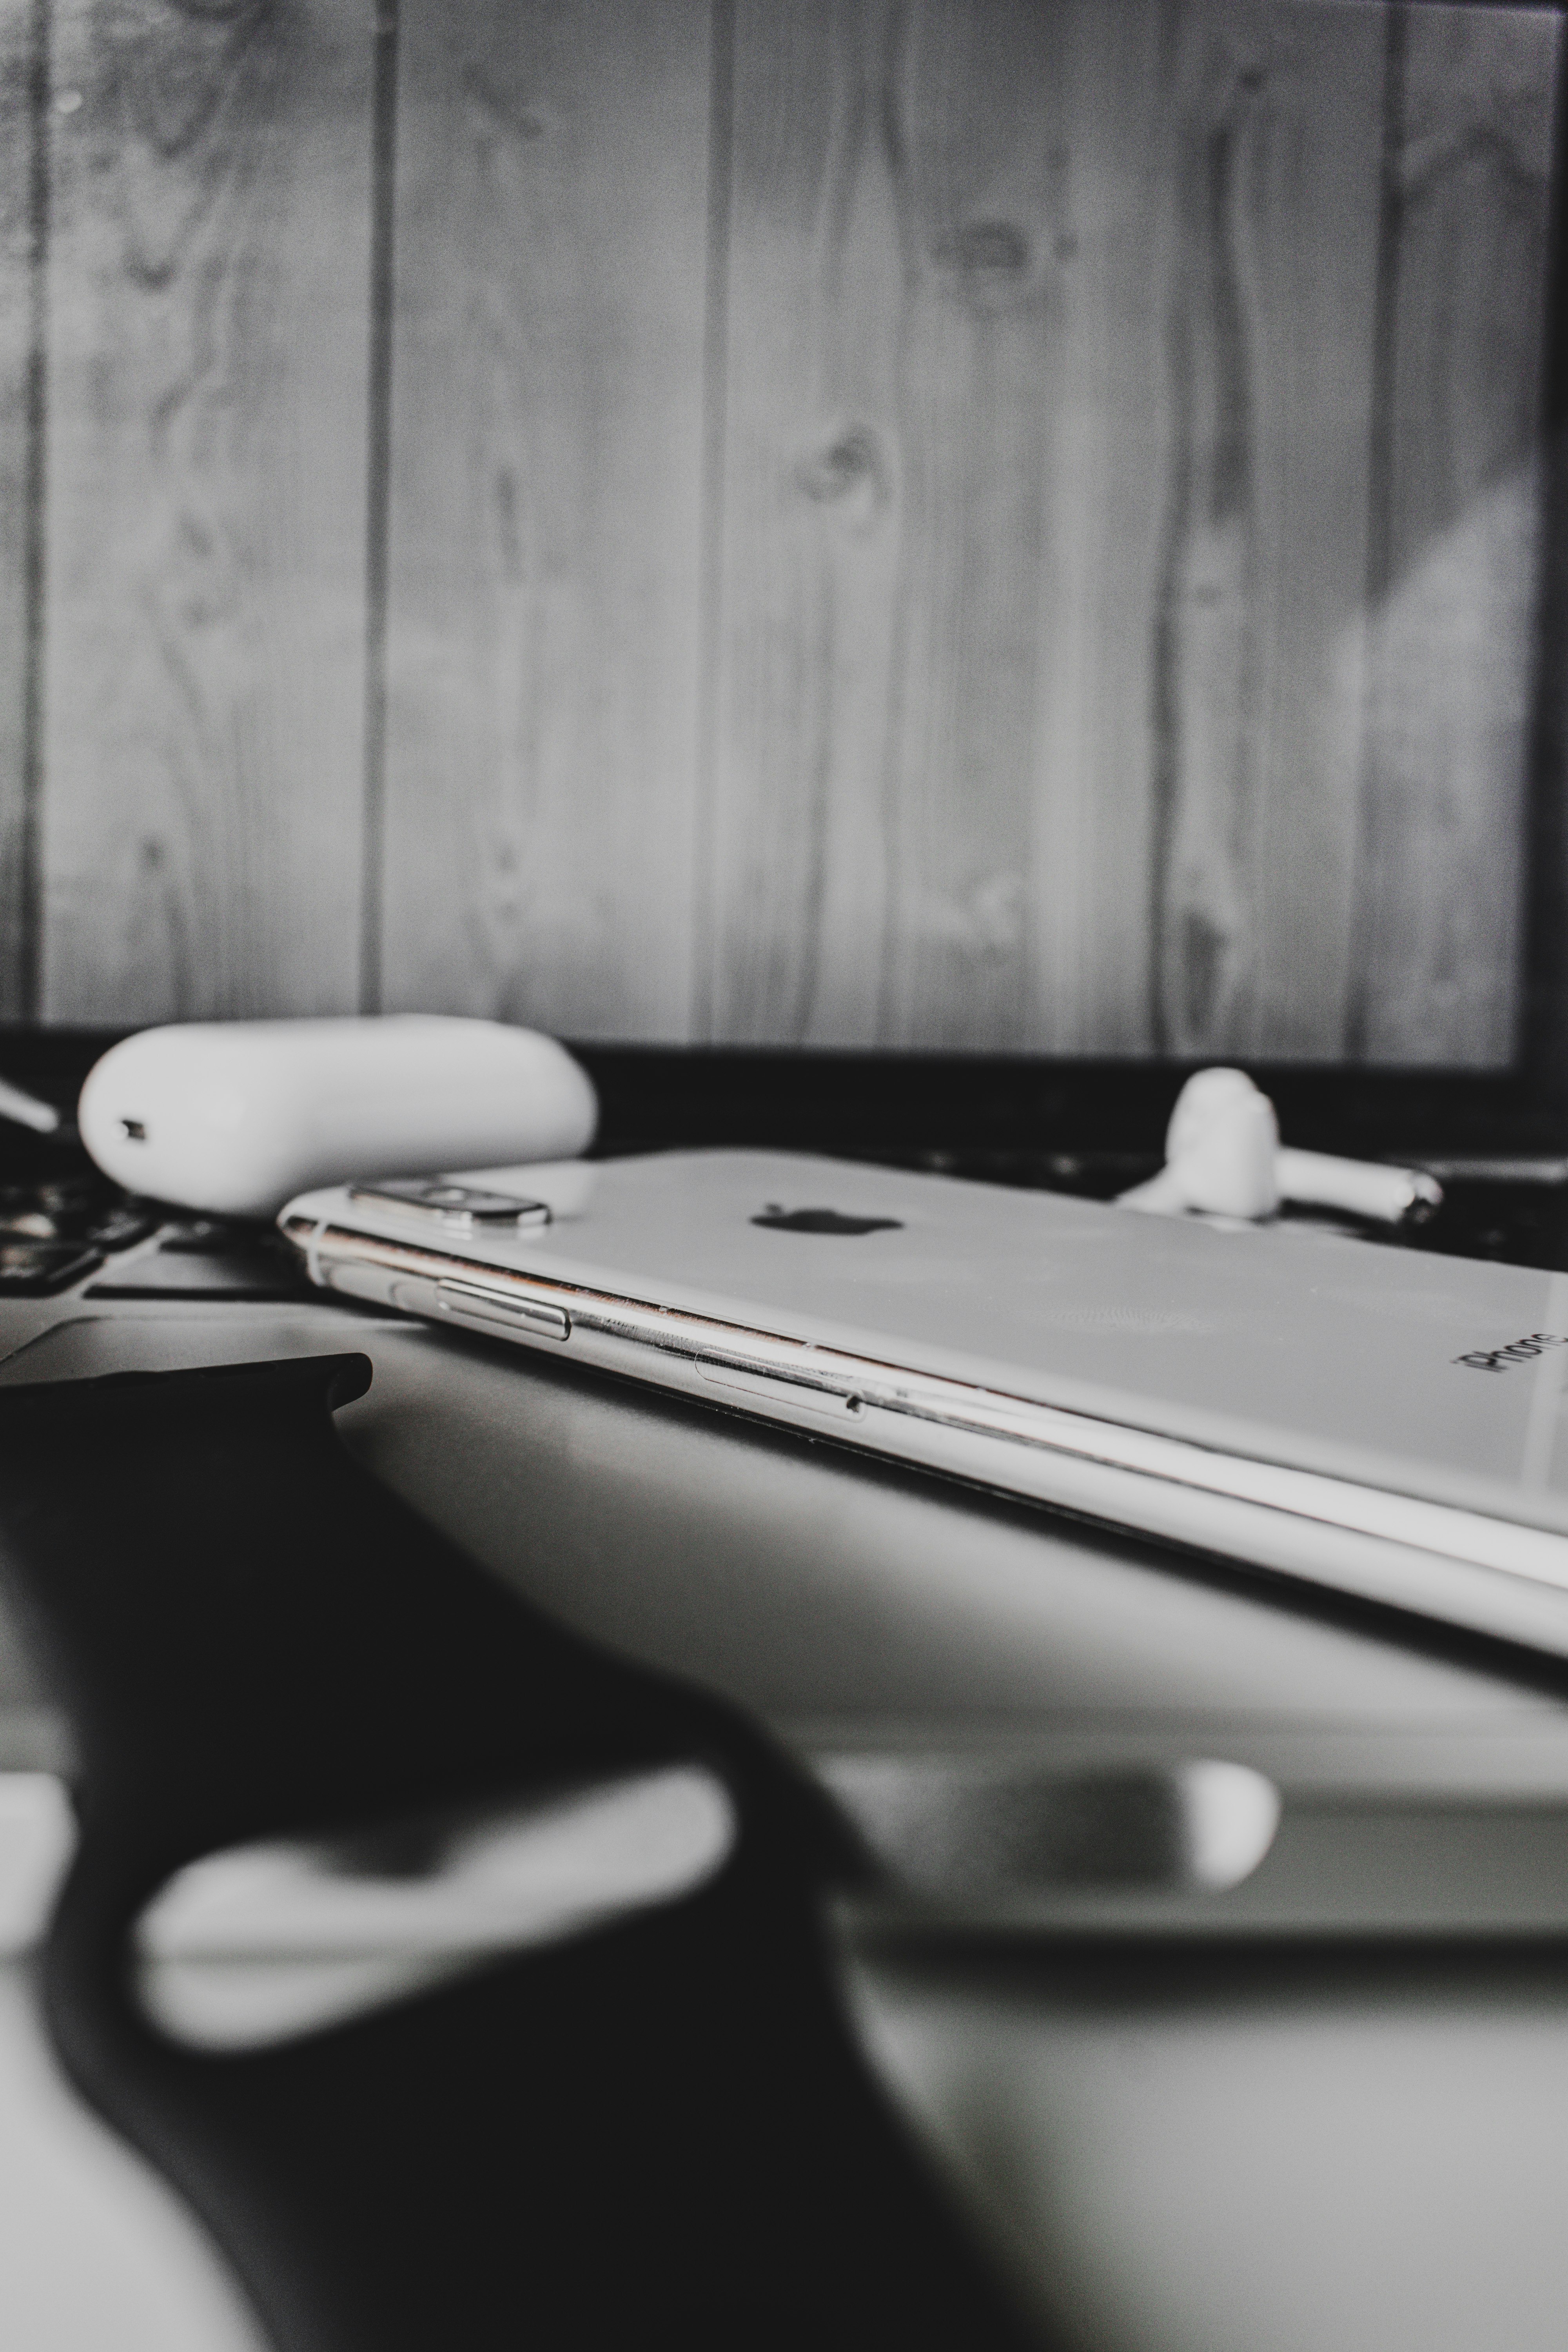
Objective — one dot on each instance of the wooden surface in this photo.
(921, 653)
(1276, 130)
(909, 522)
(1450, 654)
(19, 38)
(1043, 713)
(545, 508)
(206, 464)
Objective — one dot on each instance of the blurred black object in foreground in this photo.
(659, 2131)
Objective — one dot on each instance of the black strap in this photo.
(660, 2132)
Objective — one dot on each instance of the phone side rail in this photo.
(1433, 1560)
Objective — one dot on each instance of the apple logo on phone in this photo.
(823, 1221)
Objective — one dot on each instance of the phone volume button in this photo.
(465, 1301)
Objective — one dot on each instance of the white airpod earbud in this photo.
(1221, 1150)
(1223, 1156)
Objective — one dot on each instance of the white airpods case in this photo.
(237, 1117)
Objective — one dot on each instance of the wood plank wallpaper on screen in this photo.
(994, 523)
(19, 194)
(203, 618)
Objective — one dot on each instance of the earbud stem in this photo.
(1364, 1188)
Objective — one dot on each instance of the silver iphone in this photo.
(1386, 1423)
